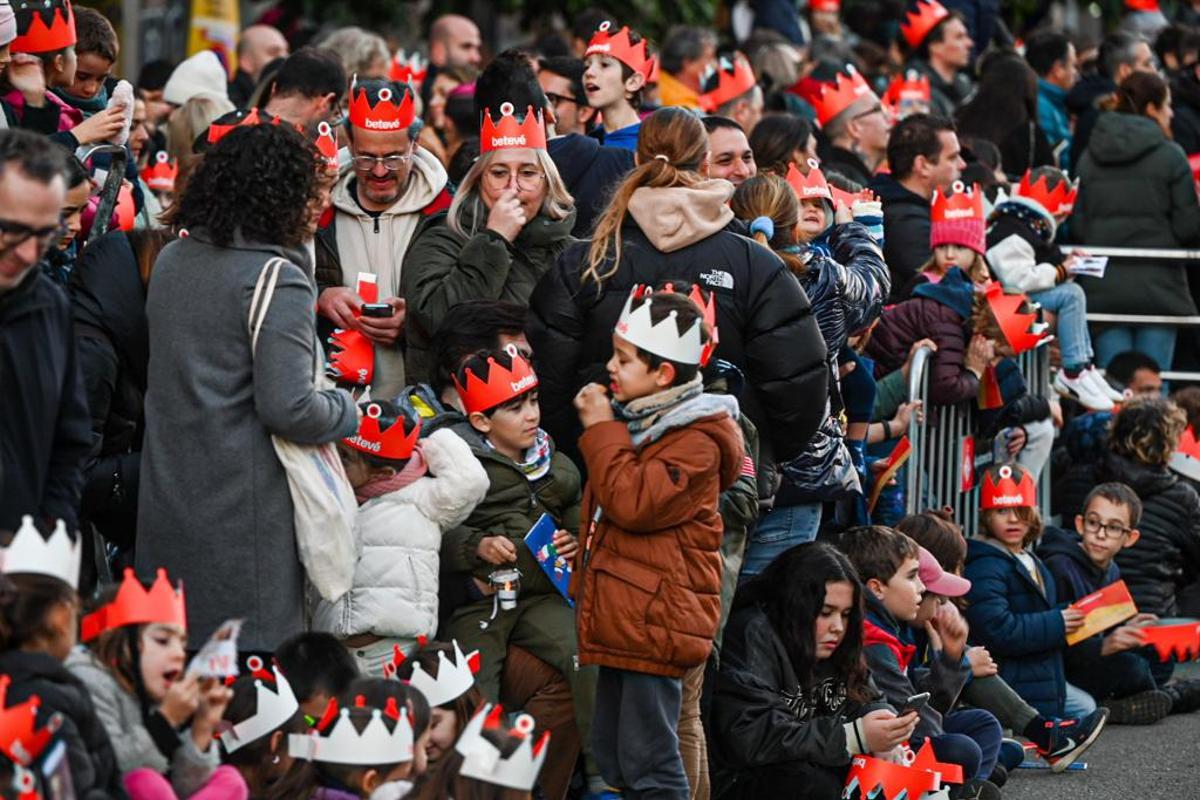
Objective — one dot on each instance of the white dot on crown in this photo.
(813, 163)
(1006, 471)
(958, 187)
(524, 724)
(604, 26)
(162, 156)
(374, 411)
(385, 94)
(254, 663)
(506, 109)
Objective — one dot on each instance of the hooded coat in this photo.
(591, 171)
(766, 326)
(1136, 190)
(1076, 576)
(906, 224)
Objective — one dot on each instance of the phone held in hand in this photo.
(377, 310)
(914, 703)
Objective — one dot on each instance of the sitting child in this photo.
(409, 491)
(896, 602)
(1023, 257)
(479, 765)
(318, 668)
(262, 713)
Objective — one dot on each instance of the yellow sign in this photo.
(215, 25)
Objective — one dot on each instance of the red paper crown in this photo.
(352, 357)
(1001, 490)
(43, 27)
(1186, 458)
(879, 779)
(848, 199)
(846, 90)
(219, 130)
(502, 384)
(830, 6)
(618, 46)
(161, 173)
(730, 80)
(125, 214)
(508, 133)
(1179, 641)
(20, 740)
(911, 87)
(393, 443)
(919, 22)
(134, 605)
(961, 204)
(1142, 5)
(1021, 329)
(327, 144)
(811, 186)
(408, 69)
(1059, 200)
(386, 114)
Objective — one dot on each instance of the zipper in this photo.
(377, 224)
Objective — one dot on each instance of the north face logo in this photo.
(717, 279)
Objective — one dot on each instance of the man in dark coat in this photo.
(1121, 53)
(45, 432)
(923, 154)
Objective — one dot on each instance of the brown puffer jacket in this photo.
(648, 581)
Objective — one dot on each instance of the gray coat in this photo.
(214, 506)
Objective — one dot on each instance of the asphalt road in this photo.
(1127, 763)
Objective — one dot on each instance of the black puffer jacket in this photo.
(766, 326)
(906, 231)
(94, 770)
(1167, 556)
(847, 288)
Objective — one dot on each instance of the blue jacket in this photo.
(1019, 623)
(1054, 119)
(1076, 576)
(591, 172)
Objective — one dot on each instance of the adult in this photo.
(510, 219)
(687, 53)
(1136, 372)
(202, 75)
(1004, 111)
(257, 46)
(1136, 190)
(1052, 56)
(561, 78)
(854, 127)
(44, 430)
(308, 88)
(781, 140)
(666, 222)
(454, 41)
(941, 50)
(731, 90)
(923, 154)
(394, 185)
(214, 507)
(1120, 55)
(363, 54)
(729, 153)
(1185, 94)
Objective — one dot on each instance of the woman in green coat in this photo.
(510, 219)
(1136, 190)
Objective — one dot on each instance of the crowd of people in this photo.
(449, 424)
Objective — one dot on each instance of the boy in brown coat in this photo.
(649, 576)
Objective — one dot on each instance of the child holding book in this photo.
(648, 579)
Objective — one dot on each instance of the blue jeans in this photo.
(1156, 341)
(634, 734)
(778, 530)
(1078, 703)
(1069, 305)
(971, 739)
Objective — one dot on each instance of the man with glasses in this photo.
(854, 130)
(378, 206)
(45, 429)
(561, 78)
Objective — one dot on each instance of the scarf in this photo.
(536, 461)
(87, 106)
(414, 469)
(640, 414)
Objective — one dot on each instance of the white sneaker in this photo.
(1101, 383)
(1081, 390)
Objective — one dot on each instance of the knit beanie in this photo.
(970, 233)
(199, 76)
(8, 23)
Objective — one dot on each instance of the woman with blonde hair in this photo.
(510, 220)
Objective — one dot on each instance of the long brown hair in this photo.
(671, 147)
(767, 195)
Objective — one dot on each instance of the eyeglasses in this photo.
(875, 109)
(528, 178)
(390, 162)
(560, 98)
(1112, 530)
(14, 234)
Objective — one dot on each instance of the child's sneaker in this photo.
(1185, 696)
(1102, 385)
(1012, 753)
(1069, 738)
(976, 790)
(1143, 708)
(1081, 390)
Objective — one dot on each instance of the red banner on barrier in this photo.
(968, 464)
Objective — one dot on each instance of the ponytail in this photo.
(1138, 92)
(768, 203)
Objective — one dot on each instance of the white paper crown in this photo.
(452, 681)
(663, 339)
(30, 552)
(483, 761)
(375, 746)
(274, 707)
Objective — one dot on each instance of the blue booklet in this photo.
(540, 541)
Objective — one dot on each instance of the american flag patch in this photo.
(748, 467)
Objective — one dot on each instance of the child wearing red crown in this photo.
(617, 68)
(957, 236)
(410, 492)
(1013, 604)
(648, 581)
(1023, 256)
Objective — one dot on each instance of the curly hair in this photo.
(1146, 430)
(259, 180)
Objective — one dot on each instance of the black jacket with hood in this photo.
(1185, 98)
(1075, 576)
(591, 171)
(906, 226)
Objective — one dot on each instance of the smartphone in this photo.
(914, 703)
(377, 310)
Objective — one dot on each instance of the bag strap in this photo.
(264, 290)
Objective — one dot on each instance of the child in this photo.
(1106, 665)
(261, 714)
(59, 260)
(488, 762)
(318, 668)
(793, 700)
(618, 67)
(648, 580)
(1023, 256)
(528, 477)
(957, 234)
(1013, 604)
(96, 52)
(39, 612)
(409, 493)
(896, 603)
(134, 669)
